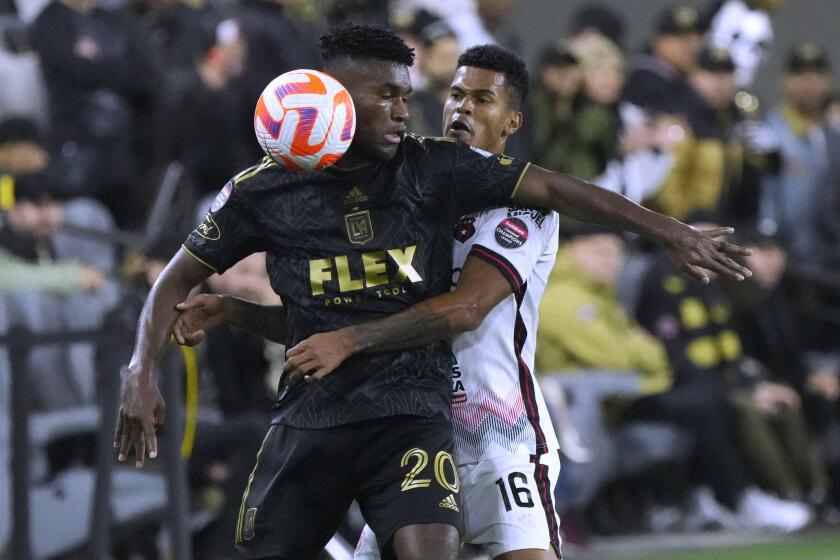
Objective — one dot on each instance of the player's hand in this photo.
(142, 410)
(317, 356)
(696, 251)
(199, 315)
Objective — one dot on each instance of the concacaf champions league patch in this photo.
(511, 233)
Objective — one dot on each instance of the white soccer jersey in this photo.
(497, 406)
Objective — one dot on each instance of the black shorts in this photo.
(400, 469)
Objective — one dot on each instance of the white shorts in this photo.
(507, 502)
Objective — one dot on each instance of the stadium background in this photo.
(93, 210)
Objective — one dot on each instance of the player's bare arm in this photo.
(691, 250)
(201, 313)
(142, 407)
(480, 288)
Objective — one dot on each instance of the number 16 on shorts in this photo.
(516, 486)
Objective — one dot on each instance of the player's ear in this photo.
(514, 122)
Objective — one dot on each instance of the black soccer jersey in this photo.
(346, 247)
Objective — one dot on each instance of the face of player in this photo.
(478, 109)
(380, 92)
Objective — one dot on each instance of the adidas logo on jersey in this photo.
(355, 196)
(449, 502)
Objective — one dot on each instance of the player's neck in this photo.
(497, 148)
(352, 161)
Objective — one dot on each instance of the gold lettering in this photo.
(346, 283)
(320, 271)
(403, 258)
(376, 273)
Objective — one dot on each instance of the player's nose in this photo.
(465, 106)
(399, 110)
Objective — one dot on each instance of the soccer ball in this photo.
(305, 120)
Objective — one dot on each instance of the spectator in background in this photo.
(598, 19)
(495, 16)
(707, 162)
(696, 325)
(279, 35)
(438, 59)
(60, 277)
(790, 198)
(577, 124)
(598, 121)
(100, 81)
(658, 81)
(211, 154)
(582, 326)
(178, 30)
(553, 105)
(767, 325)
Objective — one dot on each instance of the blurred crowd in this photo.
(678, 405)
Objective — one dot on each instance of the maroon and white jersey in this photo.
(497, 406)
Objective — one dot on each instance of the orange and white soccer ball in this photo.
(305, 120)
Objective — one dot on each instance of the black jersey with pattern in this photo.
(344, 247)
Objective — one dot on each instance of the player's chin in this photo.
(384, 151)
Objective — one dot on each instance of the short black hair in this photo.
(500, 59)
(365, 41)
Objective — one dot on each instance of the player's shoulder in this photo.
(417, 147)
(415, 141)
(263, 174)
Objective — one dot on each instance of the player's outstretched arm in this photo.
(141, 406)
(691, 250)
(480, 288)
(202, 313)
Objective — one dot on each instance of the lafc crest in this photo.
(359, 227)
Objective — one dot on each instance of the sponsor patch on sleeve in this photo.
(511, 233)
(208, 229)
(221, 198)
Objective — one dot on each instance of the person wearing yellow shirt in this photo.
(583, 327)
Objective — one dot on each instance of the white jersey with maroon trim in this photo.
(497, 406)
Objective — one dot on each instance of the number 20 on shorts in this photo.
(420, 459)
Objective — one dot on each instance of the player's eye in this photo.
(455, 95)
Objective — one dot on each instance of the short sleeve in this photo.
(480, 179)
(514, 239)
(227, 234)
(475, 179)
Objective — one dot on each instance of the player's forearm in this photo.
(156, 322)
(267, 321)
(430, 321)
(587, 202)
